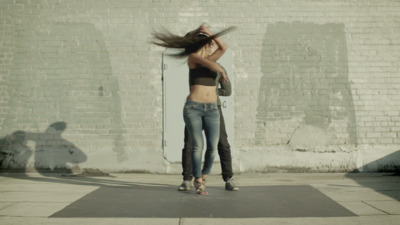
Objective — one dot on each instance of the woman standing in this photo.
(200, 110)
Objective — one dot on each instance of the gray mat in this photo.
(167, 202)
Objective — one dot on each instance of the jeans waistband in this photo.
(202, 103)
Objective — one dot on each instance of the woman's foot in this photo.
(200, 187)
(204, 181)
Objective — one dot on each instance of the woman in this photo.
(200, 110)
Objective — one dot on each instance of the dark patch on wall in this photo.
(305, 92)
(62, 71)
(51, 152)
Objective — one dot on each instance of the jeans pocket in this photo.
(189, 106)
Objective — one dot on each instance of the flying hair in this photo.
(189, 43)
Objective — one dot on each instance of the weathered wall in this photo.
(316, 83)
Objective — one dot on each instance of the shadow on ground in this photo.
(387, 181)
(115, 198)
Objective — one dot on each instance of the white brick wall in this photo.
(316, 82)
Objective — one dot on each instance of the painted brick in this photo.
(331, 66)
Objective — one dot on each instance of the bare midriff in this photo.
(203, 94)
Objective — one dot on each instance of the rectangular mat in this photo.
(167, 202)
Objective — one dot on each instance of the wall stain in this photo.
(305, 97)
(62, 72)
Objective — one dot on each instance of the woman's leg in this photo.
(211, 123)
(192, 115)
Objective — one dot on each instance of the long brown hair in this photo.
(189, 43)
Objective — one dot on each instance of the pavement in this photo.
(264, 198)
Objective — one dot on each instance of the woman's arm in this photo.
(220, 44)
(195, 59)
(219, 52)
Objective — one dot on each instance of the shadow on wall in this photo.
(387, 182)
(47, 151)
(305, 98)
(62, 72)
(387, 164)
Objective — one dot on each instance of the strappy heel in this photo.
(200, 187)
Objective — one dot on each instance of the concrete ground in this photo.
(35, 198)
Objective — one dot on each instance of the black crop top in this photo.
(202, 76)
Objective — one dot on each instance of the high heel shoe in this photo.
(200, 187)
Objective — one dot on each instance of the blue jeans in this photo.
(199, 116)
(224, 152)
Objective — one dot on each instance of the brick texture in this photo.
(316, 82)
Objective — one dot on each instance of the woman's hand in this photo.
(224, 77)
(197, 30)
(205, 29)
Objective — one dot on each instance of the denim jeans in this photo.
(224, 152)
(198, 117)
